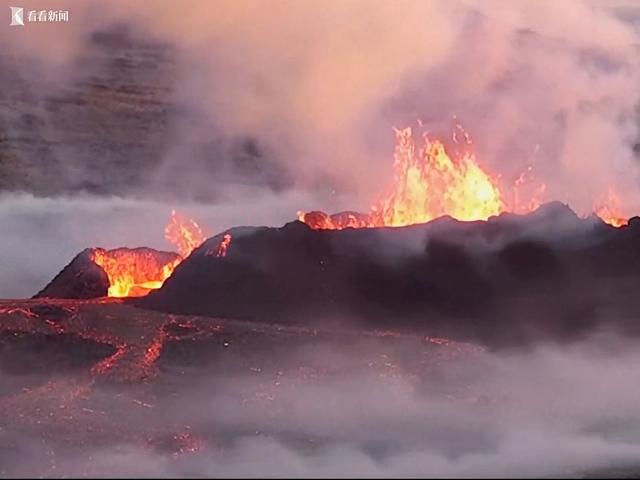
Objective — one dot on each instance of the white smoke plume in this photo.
(320, 86)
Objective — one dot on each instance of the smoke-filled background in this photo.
(242, 113)
(251, 111)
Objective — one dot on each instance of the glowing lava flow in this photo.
(134, 272)
(221, 249)
(429, 182)
(610, 210)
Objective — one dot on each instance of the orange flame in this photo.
(429, 183)
(610, 210)
(184, 233)
(221, 250)
(133, 273)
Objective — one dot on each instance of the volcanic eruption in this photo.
(466, 307)
(133, 272)
(184, 233)
(126, 272)
(430, 182)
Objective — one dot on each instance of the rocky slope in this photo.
(506, 280)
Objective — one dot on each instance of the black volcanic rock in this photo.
(503, 280)
(81, 278)
(527, 259)
(555, 211)
(245, 284)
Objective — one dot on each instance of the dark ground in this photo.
(101, 388)
(80, 376)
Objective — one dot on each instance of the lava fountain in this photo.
(610, 210)
(184, 233)
(134, 272)
(430, 182)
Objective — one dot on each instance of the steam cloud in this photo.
(319, 86)
(543, 411)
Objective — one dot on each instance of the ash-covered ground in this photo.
(214, 375)
(101, 388)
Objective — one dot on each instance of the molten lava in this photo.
(221, 249)
(184, 233)
(133, 273)
(610, 210)
(430, 182)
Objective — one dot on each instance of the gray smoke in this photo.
(305, 95)
(355, 410)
